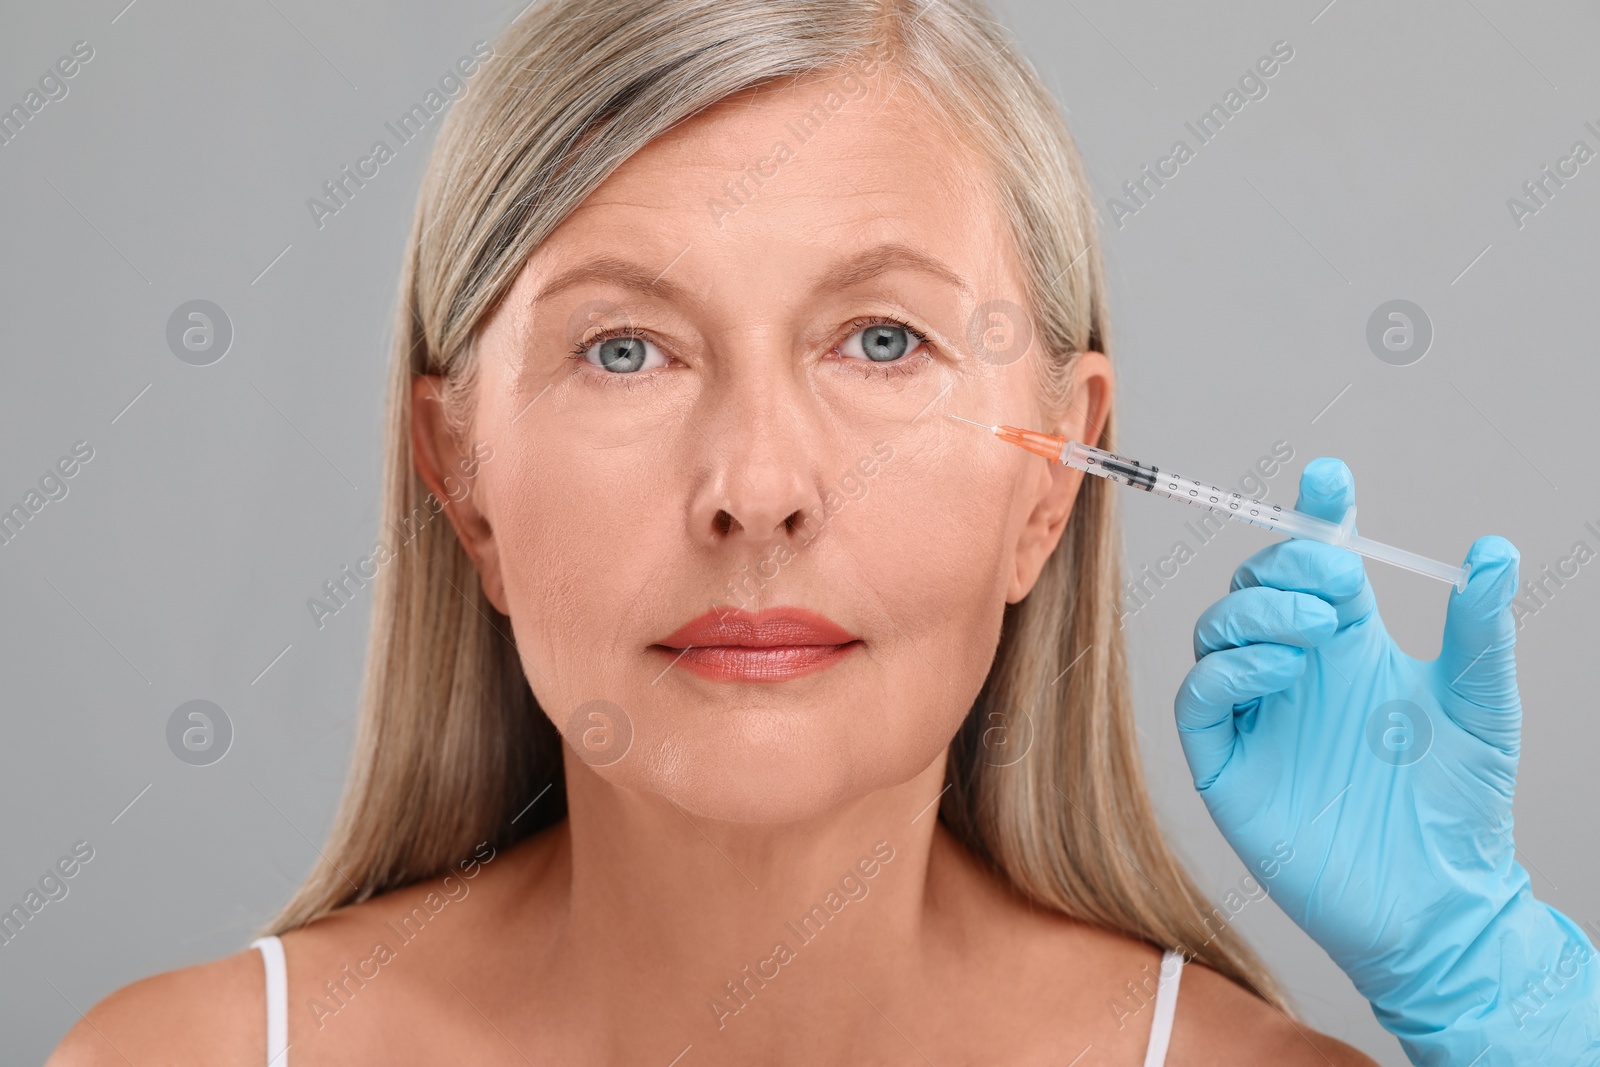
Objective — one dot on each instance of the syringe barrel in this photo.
(1224, 502)
(1275, 517)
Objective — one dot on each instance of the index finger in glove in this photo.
(1215, 688)
(1257, 614)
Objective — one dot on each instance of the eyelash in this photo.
(909, 365)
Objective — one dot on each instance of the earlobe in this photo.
(1044, 528)
(449, 472)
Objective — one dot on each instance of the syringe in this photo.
(1224, 502)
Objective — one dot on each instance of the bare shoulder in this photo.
(1219, 1022)
(1031, 970)
(215, 1013)
(210, 1013)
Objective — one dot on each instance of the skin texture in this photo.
(613, 512)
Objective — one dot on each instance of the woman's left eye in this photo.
(883, 341)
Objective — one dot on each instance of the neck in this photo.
(725, 917)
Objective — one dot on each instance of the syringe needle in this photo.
(991, 429)
(1040, 444)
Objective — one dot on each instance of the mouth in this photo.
(771, 646)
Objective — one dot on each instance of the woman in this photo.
(746, 709)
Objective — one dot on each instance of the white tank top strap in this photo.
(1155, 1053)
(277, 1000)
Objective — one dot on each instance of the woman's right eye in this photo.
(621, 353)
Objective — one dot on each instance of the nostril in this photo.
(723, 522)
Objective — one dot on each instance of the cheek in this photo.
(930, 549)
(580, 532)
(937, 532)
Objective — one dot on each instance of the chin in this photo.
(774, 767)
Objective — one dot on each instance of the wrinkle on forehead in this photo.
(885, 167)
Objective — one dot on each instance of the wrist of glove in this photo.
(1525, 990)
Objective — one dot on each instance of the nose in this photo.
(760, 466)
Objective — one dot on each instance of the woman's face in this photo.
(715, 398)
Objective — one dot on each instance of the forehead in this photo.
(777, 182)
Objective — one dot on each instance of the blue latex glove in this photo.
(1387, 781)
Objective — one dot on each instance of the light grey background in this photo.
(177, 568)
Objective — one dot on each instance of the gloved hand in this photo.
(1387, 782)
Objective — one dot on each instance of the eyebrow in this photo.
(861, 267)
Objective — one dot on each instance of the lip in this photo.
(769, 646)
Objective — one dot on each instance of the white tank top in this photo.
(1155, 1053)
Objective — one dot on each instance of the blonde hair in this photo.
(452, 745)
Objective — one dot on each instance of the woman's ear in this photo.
(1056, 484)
(451, 475)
